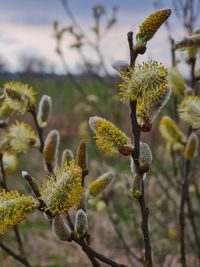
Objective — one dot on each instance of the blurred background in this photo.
(27, 40)
(65, 49)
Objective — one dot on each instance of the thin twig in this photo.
(182, 213)
(78, 85)
(21, 246)
(130, 254)
(39, 129)
(14, 255)
(136, 135)
(92, 259)
(3, 183)
(41, 138)
(193, 224)
(97, 255)
(144, 225)
(95, 46)
(167, 193)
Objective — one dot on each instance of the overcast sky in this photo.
(26, 29)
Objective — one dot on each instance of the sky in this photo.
(26, 30)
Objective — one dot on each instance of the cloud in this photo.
(26, 28)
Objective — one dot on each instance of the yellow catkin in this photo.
(143, 78)
(176, 81)
(9, 163)
(62, 189)
(14, 209)
(150, 106)
(189, 111)
(151, 24)
(147, 84)
(18, 138)
(20, 96)
(191, 146)
(5, 110)
(98, 185)
(172, 134)
(109, 138)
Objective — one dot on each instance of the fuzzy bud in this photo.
(61, 229)
(32, 183)
(191, 146)
(98, 185)
(81, 224)
(108, 137)
(81, 157)
(136, 189)
(51, 145)
(44, 112)
(145, 158)
(67, 156)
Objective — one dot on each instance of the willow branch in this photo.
(41, 138)
(14, 255)
(39, 129)
(92, 259)
(167, 193)
(3, 182)
(136, 135)
(188, 200)
(193, 223)
(182, 213)
(96, 45)
(145, 229)
(129, 253)
(92, 252)
(44, 208)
